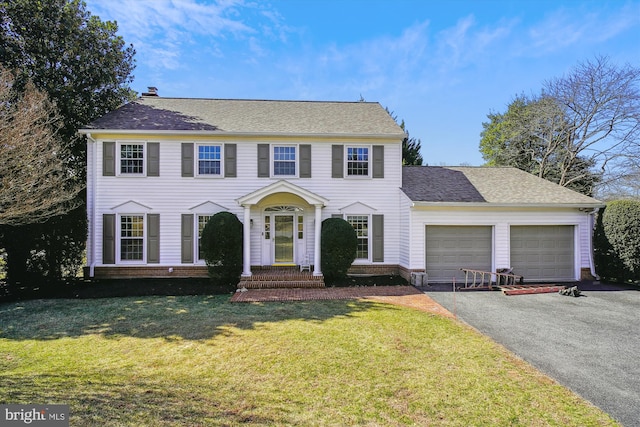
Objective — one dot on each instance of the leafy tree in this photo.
(338, 247)
(222, 249)
(410, 146)
(531, 136)
(587, 119)
(411, 149)
(617, 241)
(85, 68)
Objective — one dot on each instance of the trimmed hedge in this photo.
(338, 246)
(222, 249)
(617, 241)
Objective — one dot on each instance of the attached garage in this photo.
(450, 248)
(543, 252)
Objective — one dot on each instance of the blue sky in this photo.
(441, 66)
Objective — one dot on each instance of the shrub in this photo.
(617, 241)
(338, 247)
(222, 249)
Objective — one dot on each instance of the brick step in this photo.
(280, 284)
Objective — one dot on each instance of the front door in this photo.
(283, 239)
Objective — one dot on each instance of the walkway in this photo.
(406, 296)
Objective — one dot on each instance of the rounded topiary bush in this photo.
(621, 228)
(222, 249)
(338, 247)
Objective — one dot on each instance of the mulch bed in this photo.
(144, 287)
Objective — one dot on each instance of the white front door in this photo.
(283, 239)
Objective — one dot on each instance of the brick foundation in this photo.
(374, 270)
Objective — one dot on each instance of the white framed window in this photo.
(284, 160)
(202, 222)
(360, 224)
(357, 161)
(131, 158)
(209, 160)
(131, 238)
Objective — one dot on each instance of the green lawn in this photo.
(198, 360)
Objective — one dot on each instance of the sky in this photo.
(439, 66)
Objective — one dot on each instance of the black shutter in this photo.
(187, 159)
(378, 237)
(109, 158)
(230, 160)
(153, 159)
(187, 239)
(153, 238)
(337, 161)
(108, 239)
(263, 160)
(378, 161)
(305, 161)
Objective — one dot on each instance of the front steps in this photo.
(280, 278)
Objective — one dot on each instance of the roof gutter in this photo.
(240, 134)
(507, 205)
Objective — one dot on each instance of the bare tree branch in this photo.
(35, 185)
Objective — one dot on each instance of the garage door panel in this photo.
(542, 252)
(449, 248)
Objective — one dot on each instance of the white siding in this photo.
(500, 219)
(172, 195)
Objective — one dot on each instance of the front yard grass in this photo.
(200, 360)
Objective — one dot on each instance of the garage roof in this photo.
(466, 185)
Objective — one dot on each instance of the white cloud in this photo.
(161, 30)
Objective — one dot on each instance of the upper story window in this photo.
(284, 160)
(209, 160)
(132, 159)
(357, 161)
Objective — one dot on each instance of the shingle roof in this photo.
(251, 116)
(490, 185)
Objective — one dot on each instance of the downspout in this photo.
(592, 265)
(91, 212)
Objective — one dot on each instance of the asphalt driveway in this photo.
(590, 344)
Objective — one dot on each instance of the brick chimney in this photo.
(152, 91)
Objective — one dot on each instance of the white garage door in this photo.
(543, 252)
(450, 248)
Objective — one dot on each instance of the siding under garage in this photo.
(450, 248)
(543, 252)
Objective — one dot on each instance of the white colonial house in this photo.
(159, 168)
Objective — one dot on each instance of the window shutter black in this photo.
(109, 158)
(378, 237)
(187, 239)
(108, 239)
(230, 162)
(187, 159)
(337, 161)
(305, 161)
(378, 161)
(153, 238)
(153, 159)
(263, 160)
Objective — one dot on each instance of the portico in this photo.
(289, 226)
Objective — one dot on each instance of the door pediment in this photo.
(282, 186)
